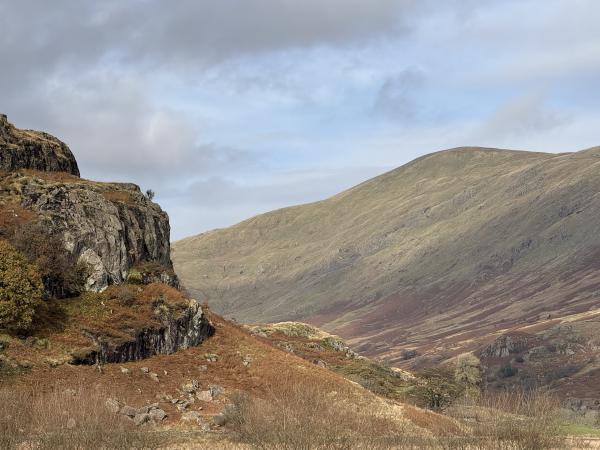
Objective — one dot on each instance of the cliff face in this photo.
(109, 227)
(27, 149)
(187, 329)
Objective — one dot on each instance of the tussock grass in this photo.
(65, 419)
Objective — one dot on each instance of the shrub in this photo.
(150, 194)
(20, 289)
(61, 274)
(134, 276)
(507, 371)
(437, 390)
(468, 373)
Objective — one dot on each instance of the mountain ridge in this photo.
(437, 233)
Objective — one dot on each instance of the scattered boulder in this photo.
(204, 396)
(191, 387)
(157, 414)
(145, 370)
(128, 411)
(191, 416)
(211, 357)
(113, 405)
(220, 420)
(216, 390)
(141, 419)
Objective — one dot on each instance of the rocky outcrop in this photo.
(109, 227)
(506, 345)
(27, 149)
(187, 329)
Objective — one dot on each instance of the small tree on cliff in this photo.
(20, 289)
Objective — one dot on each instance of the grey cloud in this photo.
(521, 117)
(115, 132)
(397, 95)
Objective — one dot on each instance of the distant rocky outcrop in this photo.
(27, 149)
(110, 228)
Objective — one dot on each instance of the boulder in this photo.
(157, 414)
(113, 405)
(128, 411)
(220, 420)
(216, 390)
(204, 396)
(191, 387)
(141, 419)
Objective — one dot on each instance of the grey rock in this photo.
(146, 409)
(204, 396)
(179, 330)
(27, 149)
(128, 411)
(504, 346)
(113, 405)
(157, 414)
(140, 419)
(191, 416)
(220, 420)
(145, 370)
(182, 405)
(319, 362)
(216, 390)
(190, 387)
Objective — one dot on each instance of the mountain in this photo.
(428, 259)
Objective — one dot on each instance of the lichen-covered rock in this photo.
(109, 227)
(186, 329)
(28, 149)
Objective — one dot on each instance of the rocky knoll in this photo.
(27, 149)
(187, 328)
(108, 227)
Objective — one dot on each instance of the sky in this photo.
(231, 108)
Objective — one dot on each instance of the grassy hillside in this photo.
(451, 246)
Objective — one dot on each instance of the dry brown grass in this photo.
(118, 196)
(63, 419)
(296, 415)
(520, 420)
